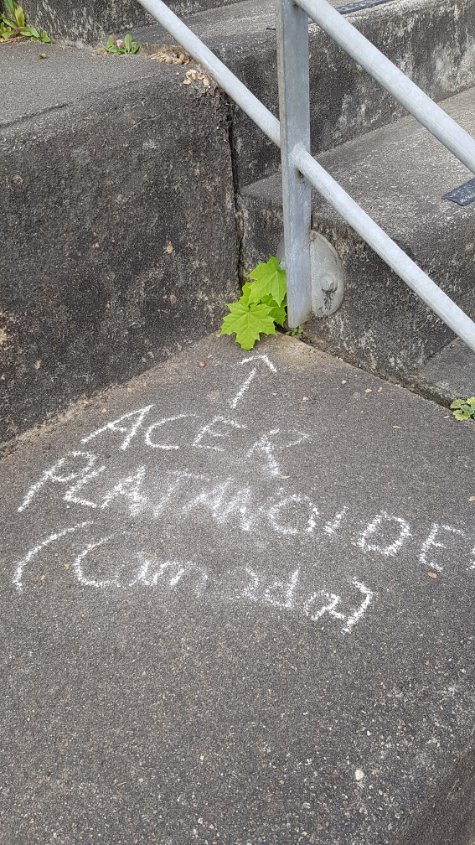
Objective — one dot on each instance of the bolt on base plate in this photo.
(327, 276)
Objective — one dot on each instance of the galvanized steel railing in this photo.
(300, 171)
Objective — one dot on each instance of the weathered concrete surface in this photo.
(91, 20)
(67, 76)
(432, 41)
(118, 223)
(259, 627)
(448, 375)
(398, 174)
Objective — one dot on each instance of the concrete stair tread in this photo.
(67, 75)
(345, 102)
(241, 19)
(398, 174)
(283, 653)
(448, 375)
(32, 85)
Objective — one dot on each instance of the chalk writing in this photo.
(293, 526)
(250, 378)
(245, 493)
(52, 475)
(210, 430)
(127, 488)
(171, 573)
(149, 434)
(215, 435)
(256, 586)
(137, 418)
(432, 543)
(78, 566)
(181, 494)
(376, 527)
(53, 538)
(268, 444)
(333, 525)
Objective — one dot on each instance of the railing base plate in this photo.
(328, 281)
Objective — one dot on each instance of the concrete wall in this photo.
(93, 19)
(118, 239)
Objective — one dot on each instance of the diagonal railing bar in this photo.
(406, 92)
(225, 78)
(385, 247)
(297, 160)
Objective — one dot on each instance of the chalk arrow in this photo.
(246, 385)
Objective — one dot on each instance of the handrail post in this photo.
(294, 105)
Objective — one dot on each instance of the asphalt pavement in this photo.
(236, 605)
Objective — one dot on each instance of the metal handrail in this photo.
(292, 135)
(245, 99)
(386, 248)
(406, 92)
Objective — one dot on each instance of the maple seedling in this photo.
(262, 306)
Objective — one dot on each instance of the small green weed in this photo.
(261, 307)
(297, 332)
(122, 46)
(464, 409)
(13, 26)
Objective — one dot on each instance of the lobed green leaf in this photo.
(269, 280)
(248, 320)
(262, 305)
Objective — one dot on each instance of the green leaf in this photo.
(269, 280)
(246, 293)
(297, 332)
(463, 409)
(44, 37)
(248, 320)
(10, 7)
(6, 33)
(19, 16)
(277, 312)
(30, 32)
(130, 47)
(111, 46)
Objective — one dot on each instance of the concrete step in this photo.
(448, 375)
(123, 181)
(399, 175)
(432, 41)
(118, 223)
(92, 20)
(238, 615)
